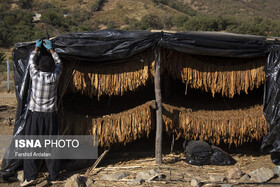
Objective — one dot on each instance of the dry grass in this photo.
(3, 72)
(72, 4)
(4, 82)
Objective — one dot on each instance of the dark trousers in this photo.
(41, 123)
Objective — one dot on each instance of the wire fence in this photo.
(6, 77)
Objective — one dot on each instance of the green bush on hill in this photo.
(16, 27)
(2, 57)
(2, 60)
(148, 22)
(5, 5)
(25, 4)
(203, 23)
(177, 5)
(97, 5)
(52, 17)
(80, 16)
(43, 5)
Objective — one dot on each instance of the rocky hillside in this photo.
(259, 17)
(268, 9)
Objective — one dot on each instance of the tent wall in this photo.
(111, 62)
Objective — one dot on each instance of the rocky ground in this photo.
(249, 171)
(135, 166)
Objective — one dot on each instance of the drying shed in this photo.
(211, 83)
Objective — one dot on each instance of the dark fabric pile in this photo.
(201, 153)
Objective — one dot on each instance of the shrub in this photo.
(111, 25)
(177, 5)
(25, 4)
(10, 20)
(45, 5)
(80, 16)
(201, 24)
(5, 35)
(151, 21)
(180, 20)
(97, 5)
(52, 17)
(2, 57)
(5, 5)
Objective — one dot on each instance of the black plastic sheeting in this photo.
(216, 44)
(271, 109)
(201, 153)
(103, 46)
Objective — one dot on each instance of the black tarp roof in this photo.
(108, 45)
(216, 44)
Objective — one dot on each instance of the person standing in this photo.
(42, 115)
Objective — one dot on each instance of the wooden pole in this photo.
(8, 76)
(158, 147)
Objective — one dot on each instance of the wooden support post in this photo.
(158, 147)
(8, 76)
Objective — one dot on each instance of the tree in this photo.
(97, 5)
(25, 4)
(10, 20)
(111, 25)
(151, 21)
(5, 5)
(5, 35)
(53, 18)
(2, 57)
(180, 20)
(201, 23)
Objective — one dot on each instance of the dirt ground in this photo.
(136, 158)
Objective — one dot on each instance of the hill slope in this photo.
(269, 9)
(119, 11)
(259, 17)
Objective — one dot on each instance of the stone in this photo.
(115, 176)
(227, 185)
(143, 175)
(100, 184)
(195, 182)
(234, 173)
(276, 170)
(135, 182)
(88, 181)
(217, 178)
(156, 175)
(245, 178)
(75, 181)
(261, 175)
(20, 175)
(44, 183)
(211, 185)
(154, 172)
(149, 176)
